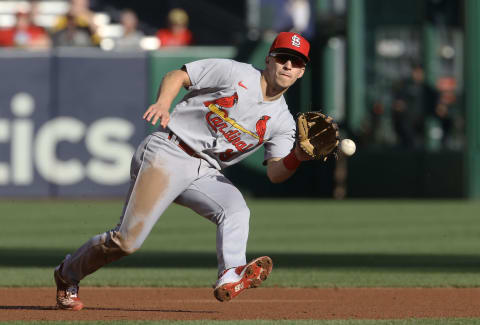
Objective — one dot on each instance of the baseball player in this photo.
(231, 110)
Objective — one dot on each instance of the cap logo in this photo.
(296, 41)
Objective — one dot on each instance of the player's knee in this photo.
(127, 248)
(122, 246)
(240, 215)
(244, 215)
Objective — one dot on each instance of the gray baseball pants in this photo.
(162, 173)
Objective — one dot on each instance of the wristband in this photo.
(291, 161)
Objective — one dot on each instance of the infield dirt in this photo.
(262, 303)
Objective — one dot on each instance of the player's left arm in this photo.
(281, 169)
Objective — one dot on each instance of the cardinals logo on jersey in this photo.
(239, 136)
(261, 127)
(226, 102)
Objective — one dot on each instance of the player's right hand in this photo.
(156, 112)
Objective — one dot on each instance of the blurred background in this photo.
(399, 76)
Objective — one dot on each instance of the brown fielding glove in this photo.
(317, 135)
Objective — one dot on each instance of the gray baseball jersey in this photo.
(223, 119)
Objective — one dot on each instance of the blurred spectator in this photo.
(301, 15)
(411, 98)
(371, 129)
(72, 34)
(81, 17)
(130, 40)
(177, 33)
(293, 15)
(444, 108)
(24, 34)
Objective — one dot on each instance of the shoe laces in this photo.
(238, 270)
(230, 275)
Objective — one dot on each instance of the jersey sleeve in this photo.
(281, 143)
(209, 73)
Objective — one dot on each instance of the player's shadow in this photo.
(28, 308)
(152, 310)
(23, 257)
(110, 309)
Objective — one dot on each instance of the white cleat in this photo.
(235, 280)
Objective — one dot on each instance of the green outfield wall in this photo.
(472, 81)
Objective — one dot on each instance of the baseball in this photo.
(348, 147)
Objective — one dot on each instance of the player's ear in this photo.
(301, 73)
(267, 59)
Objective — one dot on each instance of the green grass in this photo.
(314, 243)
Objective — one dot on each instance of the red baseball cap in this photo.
(293, 43)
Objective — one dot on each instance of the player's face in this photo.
(284, 69)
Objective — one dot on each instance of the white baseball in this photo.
(348, 147)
